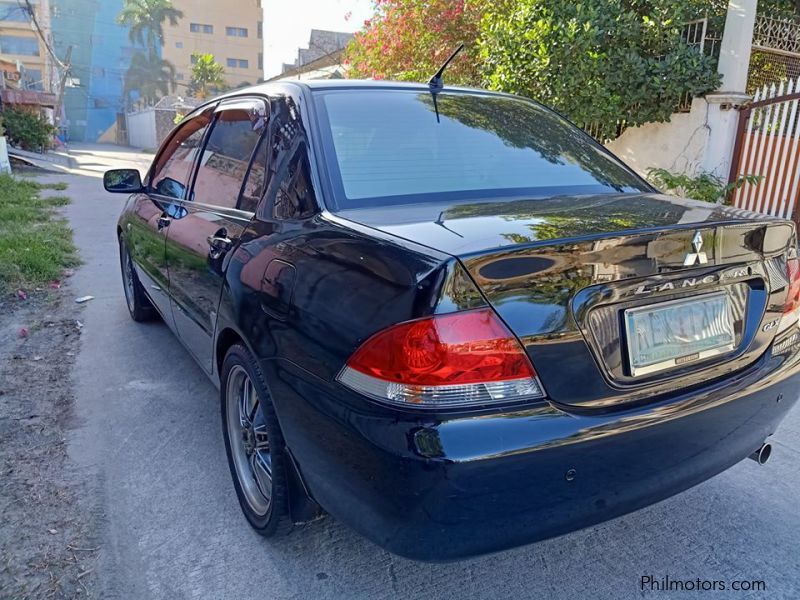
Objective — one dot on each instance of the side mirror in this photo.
(122, 181)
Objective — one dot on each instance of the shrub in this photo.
(600, 62)
(704, 186)
(27, 130)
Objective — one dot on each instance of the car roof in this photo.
(344, 84)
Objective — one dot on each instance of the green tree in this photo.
(146, 20)
(410, 39)
(599, 62)
(208, 76)
(150, 75)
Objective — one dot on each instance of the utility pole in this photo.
(61, 85)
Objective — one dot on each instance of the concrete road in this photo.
(149, 429)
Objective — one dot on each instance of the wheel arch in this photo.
(226, 338)
(302, 506)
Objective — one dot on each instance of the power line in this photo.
(35, 22)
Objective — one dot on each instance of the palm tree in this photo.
(146, 20)
(207, 76)
(150, 75)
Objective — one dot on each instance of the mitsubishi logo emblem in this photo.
(698, 257)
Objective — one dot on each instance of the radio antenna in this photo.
(436, 83)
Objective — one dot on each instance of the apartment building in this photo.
(21, 46)
(230, 30)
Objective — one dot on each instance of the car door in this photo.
(212, 219)
(146, 229)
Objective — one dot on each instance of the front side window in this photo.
(463, 147)
(174, 165)
(227, 154)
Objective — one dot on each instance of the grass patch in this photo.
(35, 241)
(58, 185)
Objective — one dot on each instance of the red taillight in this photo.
(457, 358)
(793, 295)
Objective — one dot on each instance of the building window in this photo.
(260, 29)
(201, 28)
(17, 44)
(11, 11)
(260, 61)
(237, 63)
(179, 76)
(194, 59)
(236, 31)
(179, 44)
(32, 79)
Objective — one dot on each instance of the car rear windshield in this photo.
(392, 146)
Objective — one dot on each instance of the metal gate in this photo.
(768, 146)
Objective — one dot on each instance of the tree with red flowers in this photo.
(410, 39)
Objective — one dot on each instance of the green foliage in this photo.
(598, 62)
(410, 39)
(27, 130)
(35, 243)
(208, 76)
(146, 20)
(150, 75)
(705, 186)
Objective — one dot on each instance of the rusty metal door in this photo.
(768, 146)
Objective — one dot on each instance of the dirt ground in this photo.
(47, 518)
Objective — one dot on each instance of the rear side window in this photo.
(390, 147)
(227, 154)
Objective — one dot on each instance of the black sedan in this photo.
(451, 319)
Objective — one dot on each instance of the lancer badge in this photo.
(698, 257)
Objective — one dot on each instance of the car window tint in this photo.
(289, 190)
(293, 194)
(393, 147)
(226, 156)
(256, 179)
(174, 164)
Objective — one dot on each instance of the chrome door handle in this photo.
(220, 243)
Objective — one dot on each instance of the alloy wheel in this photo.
(127, 276)
(247, 433)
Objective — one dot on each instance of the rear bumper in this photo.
(448, 489)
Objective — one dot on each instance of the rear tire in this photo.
(139, 305)
(254, 444)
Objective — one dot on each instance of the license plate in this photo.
(677, 333)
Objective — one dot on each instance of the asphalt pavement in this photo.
(148, 430)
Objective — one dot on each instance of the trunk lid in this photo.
(562, 272)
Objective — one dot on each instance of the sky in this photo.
(288, 23)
